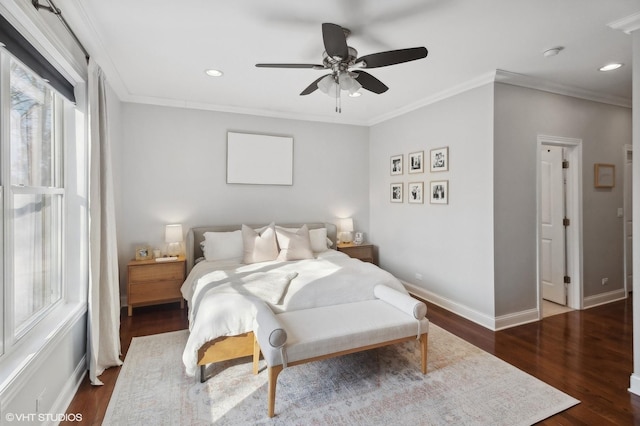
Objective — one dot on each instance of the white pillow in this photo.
(223, 245)
(319, 240)
(259, 245)
(294, 244)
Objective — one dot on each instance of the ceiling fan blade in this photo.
(370, 83)
(335, 42)
(312, 66)
(313, 86)
(392, 57)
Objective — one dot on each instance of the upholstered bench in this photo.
(298, 337)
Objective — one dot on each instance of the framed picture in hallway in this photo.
(605, 175)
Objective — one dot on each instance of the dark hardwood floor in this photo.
(587, 354)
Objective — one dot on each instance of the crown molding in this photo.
(165, 102)
(455, 90)
(522, 80)
(627, 24)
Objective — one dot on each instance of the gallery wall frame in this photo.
(415, 192)
(439, 192)
(416, 162)
(396, 193)
(439, 159)
(396, 166)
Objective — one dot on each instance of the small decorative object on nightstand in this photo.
(152, 283)
(363, 252)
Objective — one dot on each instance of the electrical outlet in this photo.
(418, 276)
(605, 281)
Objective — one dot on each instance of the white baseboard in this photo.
(69, 390)
(634, 384)
(603, 298)
(517, 318)
(455, 307)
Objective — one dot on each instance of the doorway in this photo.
(553, 260)
(559, 201)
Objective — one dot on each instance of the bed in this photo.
(224, 290)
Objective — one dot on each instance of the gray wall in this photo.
(520, 116)
(172, 168)
(450, 246)
(478, 255)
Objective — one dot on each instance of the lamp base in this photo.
(346, 237)
(174, 249)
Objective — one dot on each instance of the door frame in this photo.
(574, 249)
(626, 200)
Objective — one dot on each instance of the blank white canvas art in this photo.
(259, 159)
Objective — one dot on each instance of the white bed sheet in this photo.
(222, 296)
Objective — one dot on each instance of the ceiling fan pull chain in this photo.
(338, 96)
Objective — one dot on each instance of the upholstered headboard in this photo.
(196, 235)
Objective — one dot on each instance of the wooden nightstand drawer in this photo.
(157, 271)
(154, 292)
(363, 252)
(151, 283)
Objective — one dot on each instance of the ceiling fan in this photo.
(346, 67)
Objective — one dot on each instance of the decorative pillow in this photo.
(223, 245)
(294, 245)
(259, 245)
(319, 240)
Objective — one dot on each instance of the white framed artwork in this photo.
(416, 162)
(439, 192)
(439, 159)
(415, 191)
(396, 165)
(396, 193)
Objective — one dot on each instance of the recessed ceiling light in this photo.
(213, 73)
(610, 67)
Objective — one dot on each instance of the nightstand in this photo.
(363, 252)
(153, 283)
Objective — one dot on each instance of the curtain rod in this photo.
(53, 9)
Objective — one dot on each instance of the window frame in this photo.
(13, 336)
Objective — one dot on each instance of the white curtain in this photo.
(103, 328)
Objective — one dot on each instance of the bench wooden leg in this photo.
(273, 380)
(423, 352)
(256, 355)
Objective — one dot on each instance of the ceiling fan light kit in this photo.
(346, 68)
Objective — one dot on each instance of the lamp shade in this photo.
(173, 233)
(346, 225)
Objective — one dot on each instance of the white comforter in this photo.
(223, 296)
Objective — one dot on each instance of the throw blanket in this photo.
(223, 296)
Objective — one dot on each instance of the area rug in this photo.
(464, 386)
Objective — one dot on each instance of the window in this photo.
(33, 203)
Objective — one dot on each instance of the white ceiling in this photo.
(156, 51)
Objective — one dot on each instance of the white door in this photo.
(552, 241)
(627, 201)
